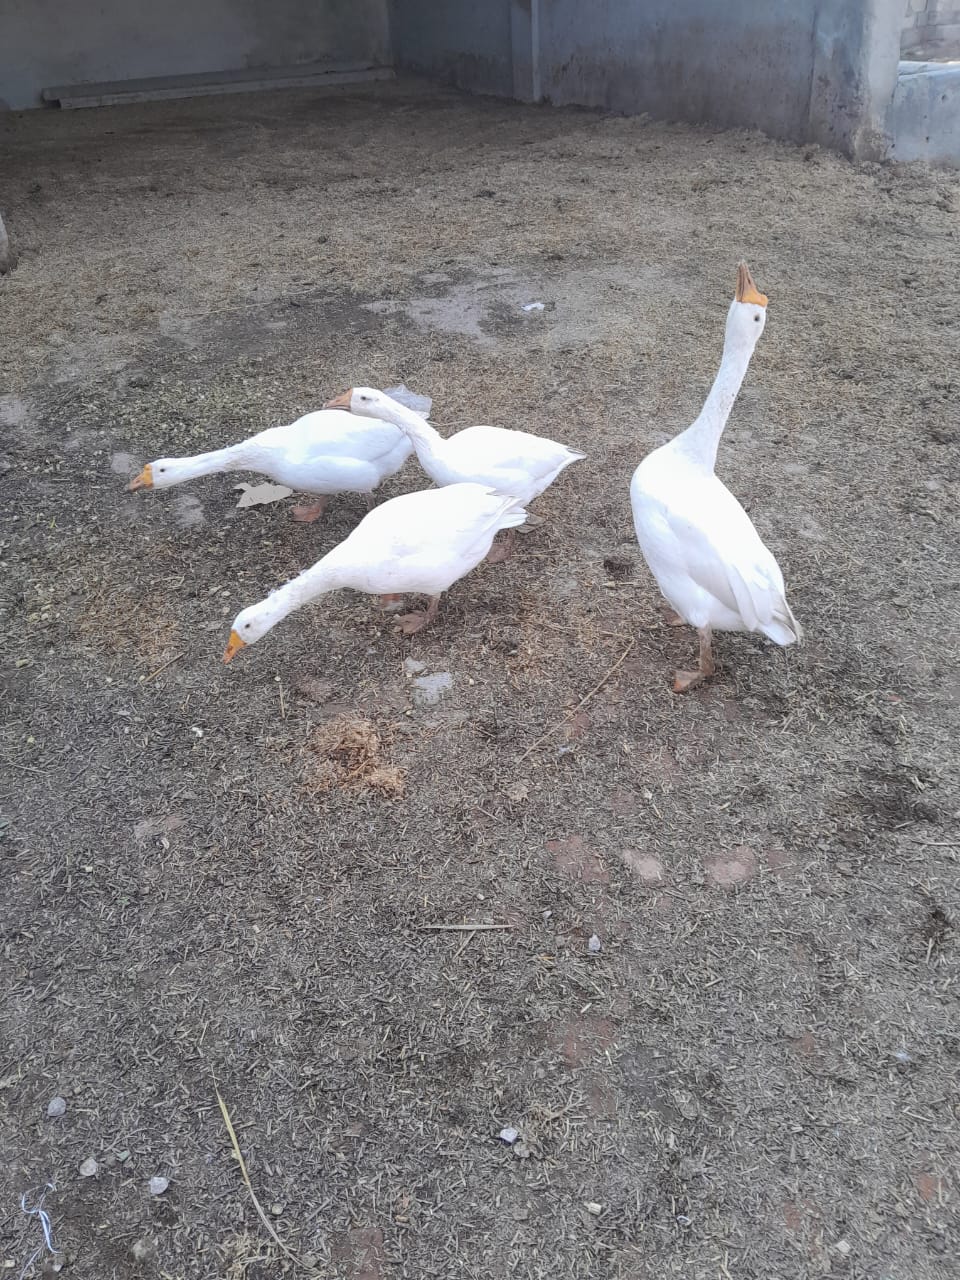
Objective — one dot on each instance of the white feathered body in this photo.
(421, 542)
(709, 561)
(322, 453)
(328, 452)
(514, 462)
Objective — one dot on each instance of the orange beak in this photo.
(234, 645)
(340, 402)
(747, 291)
(143, 481)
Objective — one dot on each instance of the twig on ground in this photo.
(169, 663)
(238, 1156)
(583, 701)
(459, 928)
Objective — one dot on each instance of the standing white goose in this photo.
(513, 462)
(419, 543)
(322, 453)
(700, 544)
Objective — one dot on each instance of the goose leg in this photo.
(672, 618)
(370, 500)
(411, 623)
(307, 512)
(501, 550)
(684, 681)
(391, 603)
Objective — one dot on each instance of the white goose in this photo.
(419, 543)
(513, 462)
(700, 544)
(322, 453)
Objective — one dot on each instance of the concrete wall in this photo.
(50, 42)
(925, 118)
(931, 30)
(819, 70)
(467, 43)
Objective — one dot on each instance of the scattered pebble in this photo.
(729, 871)
(56, 1107)
(594, 945)
(124, 464)
(144, 1249)
(413, 666)
(428, 690)
(843, 1247)
(158, 1185)
(646, 868)
(89, 1167)
(276, 1210)
(509, 1136)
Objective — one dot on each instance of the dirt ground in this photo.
(236, 876)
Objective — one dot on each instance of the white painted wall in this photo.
(50, 42)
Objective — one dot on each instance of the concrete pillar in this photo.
(856, 51)
(6, 253)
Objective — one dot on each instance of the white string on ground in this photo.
(38, 1211)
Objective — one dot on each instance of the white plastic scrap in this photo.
(594, 945)
(88, 1168)
(403, 395)
(509, 1135)
(532, 306)
(158, 1185)
(258, 495)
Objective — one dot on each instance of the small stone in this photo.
(123, 1156)
(594, 945)
(428, 690)
(509, 1136)
(276, 1210)
(56, 1107)
(591, 1206)
(158, 1185)
(729, 871)
(647, 869)
(88, 1168)
(413, 667)
(843, 1247)
(144, 1249)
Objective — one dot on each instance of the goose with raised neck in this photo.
(701, 546)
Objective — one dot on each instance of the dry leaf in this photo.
(256, 495)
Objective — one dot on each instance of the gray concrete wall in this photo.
(931, 29)
(925, 118)
(467, 43)
(50, 42)
(809, 70)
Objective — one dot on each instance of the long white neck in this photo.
(301, 590)
(700, 440)
(236, 458)
(429, 443)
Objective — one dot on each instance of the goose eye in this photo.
(757, 318)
